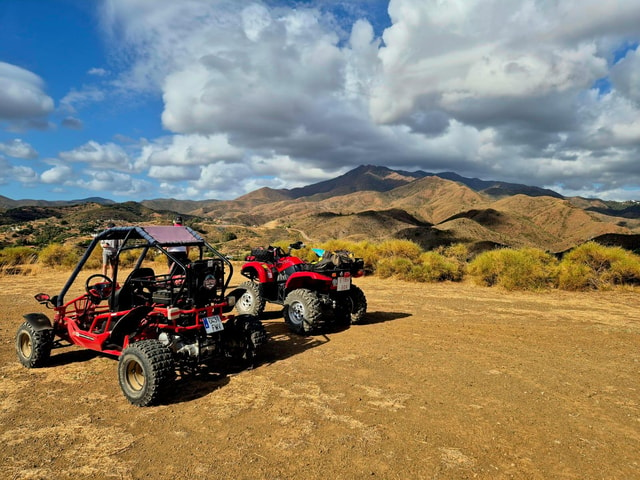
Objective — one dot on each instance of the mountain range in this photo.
(377, 203)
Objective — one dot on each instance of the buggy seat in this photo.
(137, 290)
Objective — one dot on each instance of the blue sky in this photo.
(204, 99)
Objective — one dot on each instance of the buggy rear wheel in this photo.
(243, 337)
(252, 301)
(33, 346)
(302, 311)
(145, 371)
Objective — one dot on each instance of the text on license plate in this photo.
(213, 324)
(344, 283)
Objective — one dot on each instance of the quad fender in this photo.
(305, 279)
(257, 270)
(38, 321)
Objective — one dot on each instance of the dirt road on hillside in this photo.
(444, 381)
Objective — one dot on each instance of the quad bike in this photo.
(311, 293)
(156, 325)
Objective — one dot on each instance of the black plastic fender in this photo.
(127, 324)
(233, 296)
(38, 321)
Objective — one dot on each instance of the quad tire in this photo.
(33, 346)
(351, 308)
(302, 311)
(145, 371)
(358, 304)
(252, 301)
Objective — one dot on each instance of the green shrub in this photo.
(435, 267)
(458, 254)
(50, 234)
(12, 256)
(228, 236)
(485, 268)
(396, 266)
(575, 276)
(524, 269)
(367, 251)
(56, 255)
(399, 248)
(128, 258)
(594, 266)
(458, 251)
(391, 249)
(95, 260)
(626, 269)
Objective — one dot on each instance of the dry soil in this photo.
(445, 381)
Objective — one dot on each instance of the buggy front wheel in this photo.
(33, 346)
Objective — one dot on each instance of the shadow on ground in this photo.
(281, 344)
(381, 317)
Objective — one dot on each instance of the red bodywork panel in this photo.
(84, 323)
(266, 273)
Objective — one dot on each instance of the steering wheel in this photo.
(100, 290)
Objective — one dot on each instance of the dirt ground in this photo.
(446, 381)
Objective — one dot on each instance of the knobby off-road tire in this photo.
(244, 335)
(350, 308)
(252, 301)
(33, 346)
(358, 304)
(302, 311)
(145, 371)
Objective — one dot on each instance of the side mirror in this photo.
(46, 300)
(297, 245)
(43, 297)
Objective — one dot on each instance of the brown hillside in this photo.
(461, 215)
(368, 225)
(467, 230)
(504, 228)
(433, 199)
(356, 202)
(371, 203)
(569, 225)
(261, 196)
(362, 178)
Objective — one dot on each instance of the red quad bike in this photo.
(308, 291)
(156, 325)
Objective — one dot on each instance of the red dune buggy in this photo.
(156, 324)
(311, 293)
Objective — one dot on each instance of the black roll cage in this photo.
(146, 238)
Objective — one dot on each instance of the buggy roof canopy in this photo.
(154, 234)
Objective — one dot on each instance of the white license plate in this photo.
(213, 324)
(344, 283)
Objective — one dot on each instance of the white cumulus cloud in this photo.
(99, 156)
(18, 148)
(22, 95)
(526, 91)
